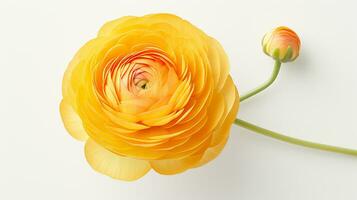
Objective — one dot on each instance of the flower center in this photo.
(143, 84)
(139, 77)
(137, 81)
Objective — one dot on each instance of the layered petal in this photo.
(113, 165)
(72, 122)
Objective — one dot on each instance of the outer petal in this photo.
(231, 98)
(72, 122)
(221, 135)
(113, 165)
(211, 153)
(219, 63)
(108, 27)
(175, 166)
(171, 166)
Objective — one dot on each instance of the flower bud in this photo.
(282, 44)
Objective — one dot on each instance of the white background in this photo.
(314, 98)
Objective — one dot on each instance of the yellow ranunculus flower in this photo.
(149, 92)
(281, 43)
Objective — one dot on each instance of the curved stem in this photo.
(264, 85)
(293, 140)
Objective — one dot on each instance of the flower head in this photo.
(281, 43)
(151, 92)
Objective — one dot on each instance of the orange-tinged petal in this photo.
(113, 165)
(155, 113)
(162, 120)
(72, 122)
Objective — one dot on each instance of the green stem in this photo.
(292, 140)
(264, 85)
